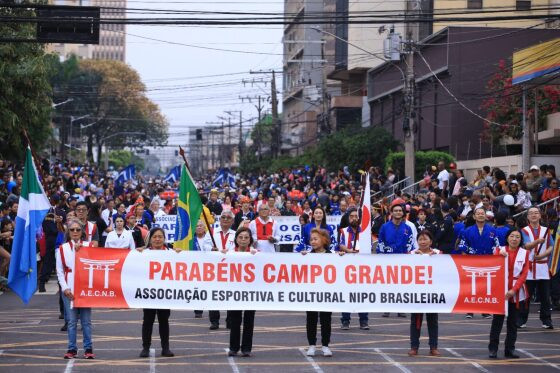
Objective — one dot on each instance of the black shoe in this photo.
(469, 316)
(214, 326)
(42, 288)
(145, 352)
(246, 353)
(364, 326)
(231, 353)
(486, 316)
(493, 354)
(401, 315)
(511, 355)
(167, 353)
(386, 314)
(345, 326)
(61, 316)
(64, 327)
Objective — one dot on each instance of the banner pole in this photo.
(364, 175)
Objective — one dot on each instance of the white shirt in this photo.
(264, 245)
(442, 177)
(205, 243)
(66, 280)
(122, 241)
(228, 241)
(414, 234)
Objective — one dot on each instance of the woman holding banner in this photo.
(319, 242)
(518, 268)
(425, 240)
(318, 221)
(65, 272)
(243, 244)
(156, 241)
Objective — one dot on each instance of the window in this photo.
(474, 4)
(523, 5)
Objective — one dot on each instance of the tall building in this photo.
(112, 37)
(304, 85)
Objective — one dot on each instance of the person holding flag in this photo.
(32, 209)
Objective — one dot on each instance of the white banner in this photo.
(289, 281)
(289, 227)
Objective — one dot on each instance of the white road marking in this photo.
(474, 364)
(231, 362)
(311, 361)
(555, 366)
(390, 359)
(69, 366)
(152, 360)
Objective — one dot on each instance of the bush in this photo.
(423, 159)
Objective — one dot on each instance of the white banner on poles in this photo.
(289, 227)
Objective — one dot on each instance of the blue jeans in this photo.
(85, 318)
(363, 317)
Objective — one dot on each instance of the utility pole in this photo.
(277, 125)
(409, 125)
(525, 140)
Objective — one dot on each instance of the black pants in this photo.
(555, 288)
(498, 323)
(416, 327)
(148, 325)
(311, 326)
(543, 292)
(49, 263)
(235, 318)
(214, 317)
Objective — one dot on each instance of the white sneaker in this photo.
(326, 351)
(522, 326)
(311, 351)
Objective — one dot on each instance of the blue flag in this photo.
(224, 177)
(126, 174)
(174, 175)
(33, 207)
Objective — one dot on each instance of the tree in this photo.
(504, 105)
(423, 159)
(24, 88)
(123, 158)
(113, 96)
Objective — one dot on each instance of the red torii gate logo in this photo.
(99, 265)
(481, 272)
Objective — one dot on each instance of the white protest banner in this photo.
(114, 278)
(289, 227)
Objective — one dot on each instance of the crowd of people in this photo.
(490, 214)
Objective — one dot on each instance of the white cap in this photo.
(534, 167)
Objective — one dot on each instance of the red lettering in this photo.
(406, 275)
(268, 278)
(154, 267)
(222, 272)
(181, 271)
(392, 274)
(283, 275)
(249, 272)
(419, 273)
(330, 274)
(235, 272)
(316, 271)
(208, 272)
(299, 274)
(365, 274)
(350, 274)
(167, 273)
(195, 273)
(378, 277)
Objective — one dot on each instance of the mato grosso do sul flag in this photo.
(189, 208)
(33, 207)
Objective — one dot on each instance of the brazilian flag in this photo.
(189, 208)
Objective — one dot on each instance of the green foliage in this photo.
(24, 88)
(352, 147)
(123, 158)
(423, 159)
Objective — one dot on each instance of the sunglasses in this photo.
(75, 229)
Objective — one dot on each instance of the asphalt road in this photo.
(31, 341)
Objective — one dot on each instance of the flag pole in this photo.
(182, 153)
(37, 164)
(364, 175)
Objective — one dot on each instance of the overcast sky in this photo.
(177, 76)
